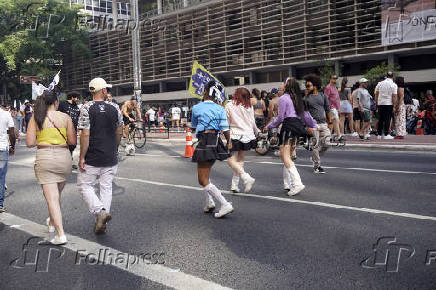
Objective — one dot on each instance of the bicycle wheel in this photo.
(139, 138)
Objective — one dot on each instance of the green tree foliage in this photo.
(326, 69)
(34, 35)
(374, 74)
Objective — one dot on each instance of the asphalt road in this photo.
(327, 237)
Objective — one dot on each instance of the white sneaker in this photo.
(51, 229)
(210, 206)
(367, 135)
(248, 181)
(355, 134)
(59, 240)
(224, 210)
(388, 137)
(296, 190)
(379, 137)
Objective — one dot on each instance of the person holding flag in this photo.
(209, 120)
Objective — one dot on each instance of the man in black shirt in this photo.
(101, 123)
(70, 108)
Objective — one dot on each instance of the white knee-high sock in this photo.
(287, 182)
(295, 176)
(235, 181)
(216, 193)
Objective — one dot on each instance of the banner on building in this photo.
(408, 21)
(199, 78)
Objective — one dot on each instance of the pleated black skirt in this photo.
(210, 148)
(240, 146)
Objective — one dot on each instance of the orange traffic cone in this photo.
(189, 150)
(419, 129)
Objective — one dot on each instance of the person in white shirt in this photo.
(243, 132)
(7, 134)
(175, 116)
(385, 98)
(151, 113)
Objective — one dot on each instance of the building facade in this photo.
(256, 43)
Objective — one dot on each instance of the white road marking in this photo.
(308, 165)
(313, 203)
(160, 274)
(290, 200)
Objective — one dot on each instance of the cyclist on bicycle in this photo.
(128, 117)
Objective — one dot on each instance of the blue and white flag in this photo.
(54, 82)
(37, 90)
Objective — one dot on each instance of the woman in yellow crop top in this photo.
(51, 131)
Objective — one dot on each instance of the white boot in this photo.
(296, 180)
(287, 182)
(248, 181)
(210, 204)
(235, 183)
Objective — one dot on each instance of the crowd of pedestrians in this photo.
(289, 112)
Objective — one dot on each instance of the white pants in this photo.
(86, 181)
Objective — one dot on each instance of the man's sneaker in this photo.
(367, 136)
(102, 218)
(294, 158)
(59, 240)
(75, 166)
(296, 190)
(388, 137)
(224, 210)
(355, 134)
(379, 137)
(319, 170)
(2, 209)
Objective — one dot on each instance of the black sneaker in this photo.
(2, 209)
(319, 170)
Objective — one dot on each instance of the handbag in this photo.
(54, 125)
(223, 152)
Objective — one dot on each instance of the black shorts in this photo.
(126, 120)
(357, 115)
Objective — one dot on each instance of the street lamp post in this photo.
(136, 53)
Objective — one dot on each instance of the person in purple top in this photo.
(293, 117)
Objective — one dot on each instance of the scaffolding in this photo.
(234, 35)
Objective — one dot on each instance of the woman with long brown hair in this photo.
(293, 117)
(243, 132)
(346, 110)
(51, 131)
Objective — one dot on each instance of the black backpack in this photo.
(407, 97)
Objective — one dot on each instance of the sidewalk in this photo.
(409, 143)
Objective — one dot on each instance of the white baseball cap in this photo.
(363, 80)
(98, 84)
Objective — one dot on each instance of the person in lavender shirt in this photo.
(293, 117)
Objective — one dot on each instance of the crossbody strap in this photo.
(57, 128)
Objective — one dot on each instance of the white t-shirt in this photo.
(151, 113)
(6, 122)
(185, 112)
(176, 113)
(385, 90)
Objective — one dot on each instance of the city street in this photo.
(368, 223)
